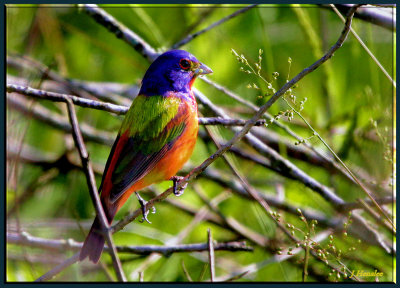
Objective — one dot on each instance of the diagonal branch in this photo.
(92, 186)
(127, 35)
(190, 37)
(60, 267)
(91, 181)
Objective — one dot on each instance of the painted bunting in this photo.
(156, 138)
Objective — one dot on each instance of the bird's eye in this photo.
(185, 64)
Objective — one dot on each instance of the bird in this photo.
(157, 136)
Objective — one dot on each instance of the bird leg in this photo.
(143, 203)
(175, 180)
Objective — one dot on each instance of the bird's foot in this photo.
(143, 203)
(175, 180)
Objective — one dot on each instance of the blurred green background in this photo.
(345, 97)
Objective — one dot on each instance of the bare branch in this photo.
(190, 37)
(26, 239)
(57, 97)
(186, 272)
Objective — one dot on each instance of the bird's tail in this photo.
(94, 243)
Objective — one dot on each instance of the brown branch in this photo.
(190, 37)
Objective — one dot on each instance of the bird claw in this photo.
(145, 212)
(177, 191)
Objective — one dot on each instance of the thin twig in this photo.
(141, 276)
(186, 272)
(236, 277)
(80, 145)
(194, 35)
(306, 256)
(56, 270)
(211, 255)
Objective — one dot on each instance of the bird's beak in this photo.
(202, 69)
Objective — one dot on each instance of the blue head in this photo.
(174, 71)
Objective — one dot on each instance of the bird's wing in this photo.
(148, 132)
